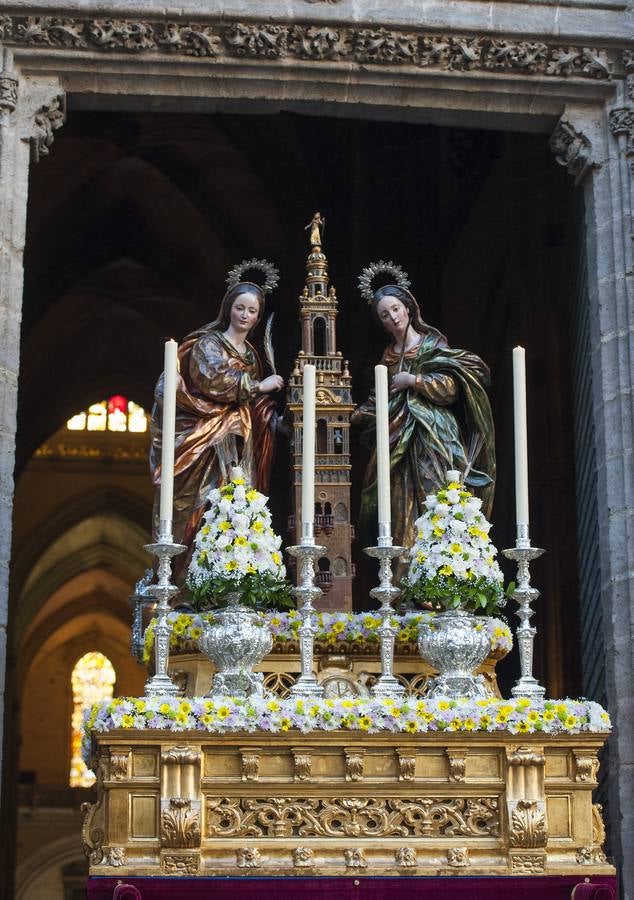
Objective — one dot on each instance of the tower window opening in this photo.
(319, 337)
(322, 436)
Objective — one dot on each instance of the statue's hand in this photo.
(402, 381)
(272, 383)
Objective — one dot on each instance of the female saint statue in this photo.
(224, 408)
(439, 412)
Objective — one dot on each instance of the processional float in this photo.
(338, 760)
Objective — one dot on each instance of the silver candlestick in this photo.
(164, 549)
(386, 593)
(524, 594)
(307, 591)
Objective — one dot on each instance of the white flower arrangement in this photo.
(236, 549)
(453, 563)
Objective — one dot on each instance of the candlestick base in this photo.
(386, 593)
(306, 592)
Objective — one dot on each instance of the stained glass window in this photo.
(115, 414)
(92, 680)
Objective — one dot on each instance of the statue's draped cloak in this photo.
(220, 419)
(430, 430)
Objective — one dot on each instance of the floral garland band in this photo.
(516, 716)
(333, 629)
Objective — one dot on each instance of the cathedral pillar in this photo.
(601, 151)
(30, 111)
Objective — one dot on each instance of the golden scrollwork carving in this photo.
(458, 857)
(248, 858)
(598, 827)
(406, 766)
(181, 756)
(528, 824)
(250, 764)
(354, 764)
(303, 765)
(114, 856)
(180, 824)
(351, 817)
(119, 765)
(457, 764)
(303, 857)
(586, 768)
(92, 832)
(355, 858)
(528, 864)
(405, 857)
(180, 864)
(524, 756)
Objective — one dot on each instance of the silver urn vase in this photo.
(455, 643)
(235, 641)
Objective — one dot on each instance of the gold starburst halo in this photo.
(366, 279)
(271, 274)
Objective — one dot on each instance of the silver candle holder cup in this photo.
(306, 592)
(386, 593)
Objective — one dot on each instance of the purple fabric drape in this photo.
(404, 888)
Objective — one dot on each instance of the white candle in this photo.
(308, 455)
(521, 436)
(167, 432)
(382, 445)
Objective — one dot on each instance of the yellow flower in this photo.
(185, 706)
(251, 570)
(443, 704)
(127, 721)
(205, 529)
(502, 718)
(364, 722)
(469, 724)
(435, 519)
(485, 721)
(240, 541)
(140, 705)
(231, 566)
(454, 486)
(165, 709)
(428, 717)
(196, 633)
(314, 710)
(438, 532)
(238, 480)
(223, 712)
(411, 725)
(338, 627)
(548, 715)
(181, 718)
(455, 724)
(276, 557)
(420, 557)
(273, 705)
(252, 495)
(258, 525)
(207, 719)
(456, 548)
(445, 570)
(571, 721)
(533, 716)
(285, 723)
(224, 525)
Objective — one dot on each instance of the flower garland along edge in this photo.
(409, 715)
(332, 628)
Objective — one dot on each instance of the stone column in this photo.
(602, 143)
(30, 111)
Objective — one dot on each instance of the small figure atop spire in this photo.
(316, 225)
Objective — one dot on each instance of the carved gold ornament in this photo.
(528, 825)
(351, 817)
(180, 824)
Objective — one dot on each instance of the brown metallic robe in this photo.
(220, 419)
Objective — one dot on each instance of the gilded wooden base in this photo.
(344, 803)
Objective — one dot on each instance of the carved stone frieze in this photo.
(303, 857)
(248, 858)
(527, 824)
(48, 118)
(180, 824)
(628, 63)
(180, 863)
(8, 91)
(93, 832)
(571, 149)
(351, 817)
(586, 767)
(405, 857)
(355, 858)
(311, 41)
(250, 765)
(622, 122)
(354, 765)
(458, 857)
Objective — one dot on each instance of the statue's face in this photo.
(393, 315)
(244, 313)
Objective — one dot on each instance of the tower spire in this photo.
(318, 309)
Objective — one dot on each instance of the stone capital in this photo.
(572, 149)
(622, 123)
(8, 81)
(42, 110)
